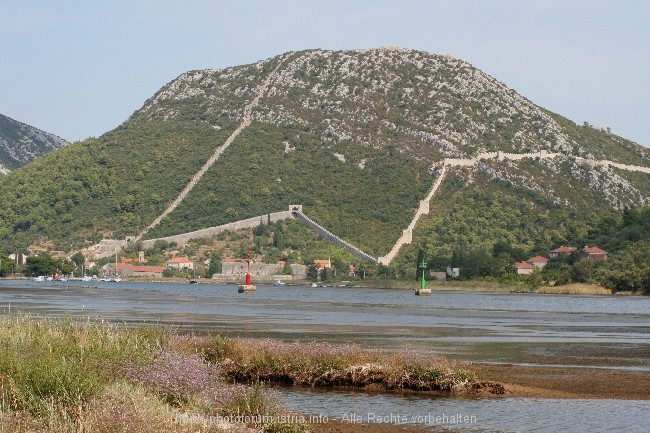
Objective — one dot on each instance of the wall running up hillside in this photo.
(248, 223)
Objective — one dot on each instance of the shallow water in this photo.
(466, 415)
(494, 327)
(610, 332)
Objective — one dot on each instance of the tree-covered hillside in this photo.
(356, 137)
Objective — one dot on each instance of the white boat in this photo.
(86, 278)
(279, 283)
(39, 278)
(116, 279)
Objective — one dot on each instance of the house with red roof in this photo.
(322, 264)
(538, 261)
(594, 253)
(180, 263)
(554, 254)
(524, 268)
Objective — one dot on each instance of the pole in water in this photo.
(248, 270)
(247, 287)
(423, 283)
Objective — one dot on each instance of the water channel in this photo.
(484, 327)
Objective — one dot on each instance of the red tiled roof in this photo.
(523, 265)
(537, 259)
(179, 260)
(593, 250)
(564, 249)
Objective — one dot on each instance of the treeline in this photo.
(624, 235)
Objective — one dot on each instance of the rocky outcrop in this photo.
(21, 143)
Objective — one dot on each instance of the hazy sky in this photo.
(80, 68)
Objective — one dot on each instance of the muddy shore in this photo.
(523, 381)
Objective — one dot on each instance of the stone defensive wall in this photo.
(236, 271)
(109, 247)
(329, 236)
(423, 209)
(212, 231)
(605, 163)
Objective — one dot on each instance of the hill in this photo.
(357, 137)
(21, 143)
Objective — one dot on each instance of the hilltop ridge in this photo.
(21, 143)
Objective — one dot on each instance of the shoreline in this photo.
(403, 285)
(524, 382)
(559, 376)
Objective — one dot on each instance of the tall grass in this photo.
(322, 364)
(51, 370)
(61, 376)
(68, 377)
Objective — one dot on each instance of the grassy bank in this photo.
(469, 286)
(574, 289)
(80, 377)
(326, 365)
(68, 377)
(491, 286)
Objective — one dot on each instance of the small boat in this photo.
(116, 280)
(39, 278)
(279, 283)
(86, 278)
(193, 282)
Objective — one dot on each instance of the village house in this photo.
(322, 264)
(179, 263)
(594, 253)
(554, 254)
(538, 261)
(524, 268)
(18, 258)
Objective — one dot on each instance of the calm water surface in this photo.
(611, 332)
